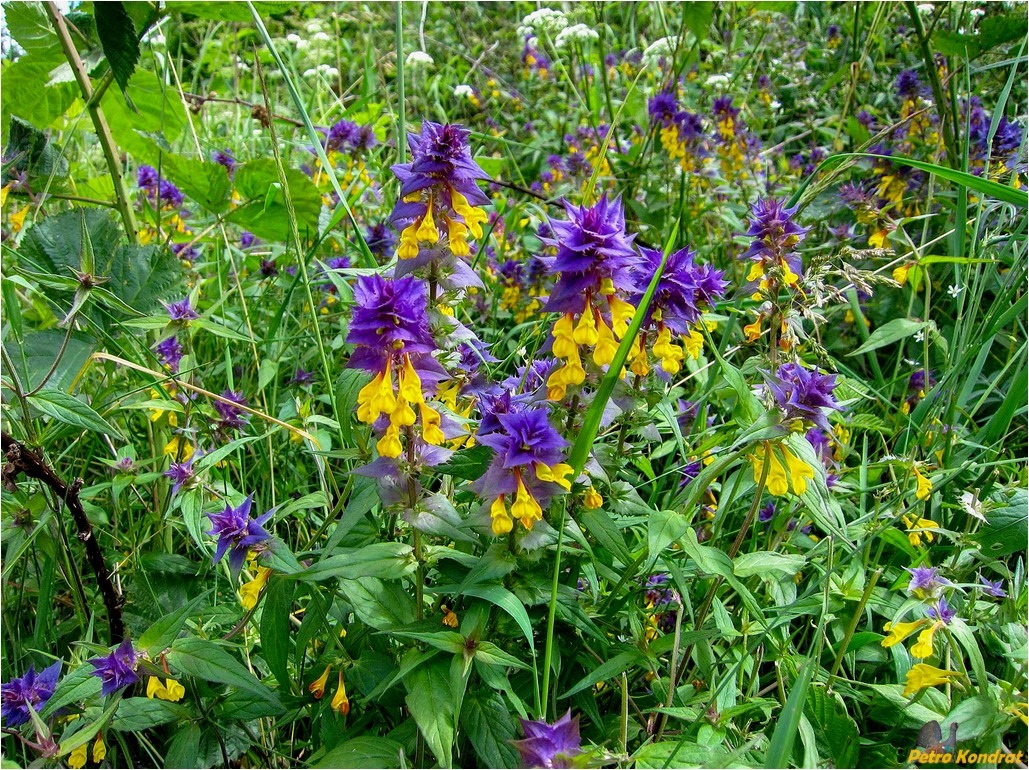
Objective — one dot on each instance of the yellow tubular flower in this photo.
(923, 487)
(525, 506)
(671, 355)
(775, 479)
(607, 346)
(564, 340)
(557, 473)
(799, 471)
(409, 383)
(788, 275)
(757, 270)
(586, 330)
(251, 590)
(173, 691)
(473, 216)
(179, 449)
(593, 499)
(900, 274)
(502, 523)
(919, 528)
(457, 234)
(77, 758)
(154, 688)
(694, 344)
(427, 231)
(640, 364)
(340, 701)
(753, 330)
(389, 445)
(403, 415)
(621, 315)
(923, 648)
(923, 675)
(898, 632)
(408, 242)
(317, 687)
(431, 431)
(99, 749)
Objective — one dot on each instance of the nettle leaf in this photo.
(264, 211)
(54, 245)
(206, 183)
(228, 11)
(32, 153)
(31, 28)
(118, 39)
(488, 723)
(143, 276)
(468, 464)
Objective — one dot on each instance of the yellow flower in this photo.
(557, 473)
(449, 616)
(898, 632)
(1020, 710)
(776, 479)
(77, 758)
(593, 499)
(753, 330)
(919, 528)
(900, 274)
(502, 523)
(99, 749)
(923, 675)
(525, 506)
(251, 590)
(924, 486)
(179, 449)
(877, 240)
(340, 701)
(923, 648)
(317, 687)
(173, 691)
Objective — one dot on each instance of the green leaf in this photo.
(143, 276)
(383, 606)
(788, 722)
(488, 723)
(228, 11)
(664, 528)
(448, 641)
(138, 714)
(158, 121)
(37, 103)
(264, 211)
(118, 39)
(975, 716)
(68, 409)
(207, 661)
(161, 634)
(30, 152)
(834, 726)
(897, 329)
(768, 564)
(1008, 530)
(507, 601)
(431, 703)
(206, 183)
(246, 706)
(386, 561)
(31, 28)
(275, 627)
(79, 685)
(696, 17)
(184, 747)
(366, 751)
(38, 351)
(623, 661)
(468, 464)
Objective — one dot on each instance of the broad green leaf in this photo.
(1007, 531)
(208, 661)
(264, 210)
(834, 726)
(138, 714)
(892, 331)
(431, 703)
(184, 747)
(161, 634)
(487, 721)
(275, 627)
(366, 751)
(205, 183)
(383, 606)
(386, 561)
(246, 706)
(79, 685)
(468, 464)
(32, 154)
(157, 123)
(39, 349)
(768, 564)
(228, 11)
(507, 601)
(68, 409)
(664, 528)
(975, 717)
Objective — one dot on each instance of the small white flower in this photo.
(463, 91)
(717, 81)
(546, 20)
(521, 352)
(311, 73)
(293, 38)
(302, 44)
(775, 106)
(578, 33)
(417, 59)
(954, 290)
(331, 72)
(920, 336)
(313, 26)
(977, 13)
(660, 48)
(322, 37)
(925, 9)
(973, 506)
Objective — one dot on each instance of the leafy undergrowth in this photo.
(636, 385)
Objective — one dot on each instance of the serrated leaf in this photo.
(161, 634)
(207, 184)
(118, 39)
(68, 409)
(834, 726)
(489, 726)
(468, 464)
(138, 714)
(210, 662)
(431, 703)
(79, 685)
(30, 153)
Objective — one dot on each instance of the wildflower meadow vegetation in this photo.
(514, 385)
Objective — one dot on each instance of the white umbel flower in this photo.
(578, 33)
(463, 91)
(660, 48)
(417, 59)
(545, 20)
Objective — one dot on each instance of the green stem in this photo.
(401, 109)
(552, 609)
(96, 114)
(852, 626)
